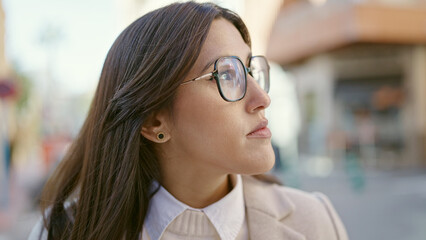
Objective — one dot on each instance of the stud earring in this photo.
(160, 136)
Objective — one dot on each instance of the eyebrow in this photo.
(214, 60)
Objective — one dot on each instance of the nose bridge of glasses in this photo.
(249, 71)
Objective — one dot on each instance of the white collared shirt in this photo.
(226, 215)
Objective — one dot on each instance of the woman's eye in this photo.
(227, 75)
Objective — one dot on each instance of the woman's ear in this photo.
(156, 127)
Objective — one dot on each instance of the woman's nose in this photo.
(256, 97)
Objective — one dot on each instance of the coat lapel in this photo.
(266, 206)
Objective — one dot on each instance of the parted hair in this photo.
(110, 166)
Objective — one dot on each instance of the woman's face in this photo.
(208, 132)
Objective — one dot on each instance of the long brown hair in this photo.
(110, 166)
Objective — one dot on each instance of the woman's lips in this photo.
(261, 133)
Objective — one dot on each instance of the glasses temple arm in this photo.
(199, 78)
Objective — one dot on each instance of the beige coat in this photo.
(276, 212)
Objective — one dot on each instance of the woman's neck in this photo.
(197, 190)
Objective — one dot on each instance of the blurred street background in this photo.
(348, 90)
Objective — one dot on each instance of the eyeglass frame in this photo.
(214, 75)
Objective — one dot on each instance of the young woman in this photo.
(175, 130)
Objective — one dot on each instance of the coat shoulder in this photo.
(310, 213)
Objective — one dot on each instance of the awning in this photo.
(304, 30)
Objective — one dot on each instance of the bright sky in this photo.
(87, 29)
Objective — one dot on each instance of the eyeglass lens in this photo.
(260, 71)
(232, 77)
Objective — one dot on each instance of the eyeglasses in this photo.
(231, 76)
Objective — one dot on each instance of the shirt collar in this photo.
(227, 215)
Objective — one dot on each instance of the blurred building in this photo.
(360, 68)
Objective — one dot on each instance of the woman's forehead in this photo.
(223, 39)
